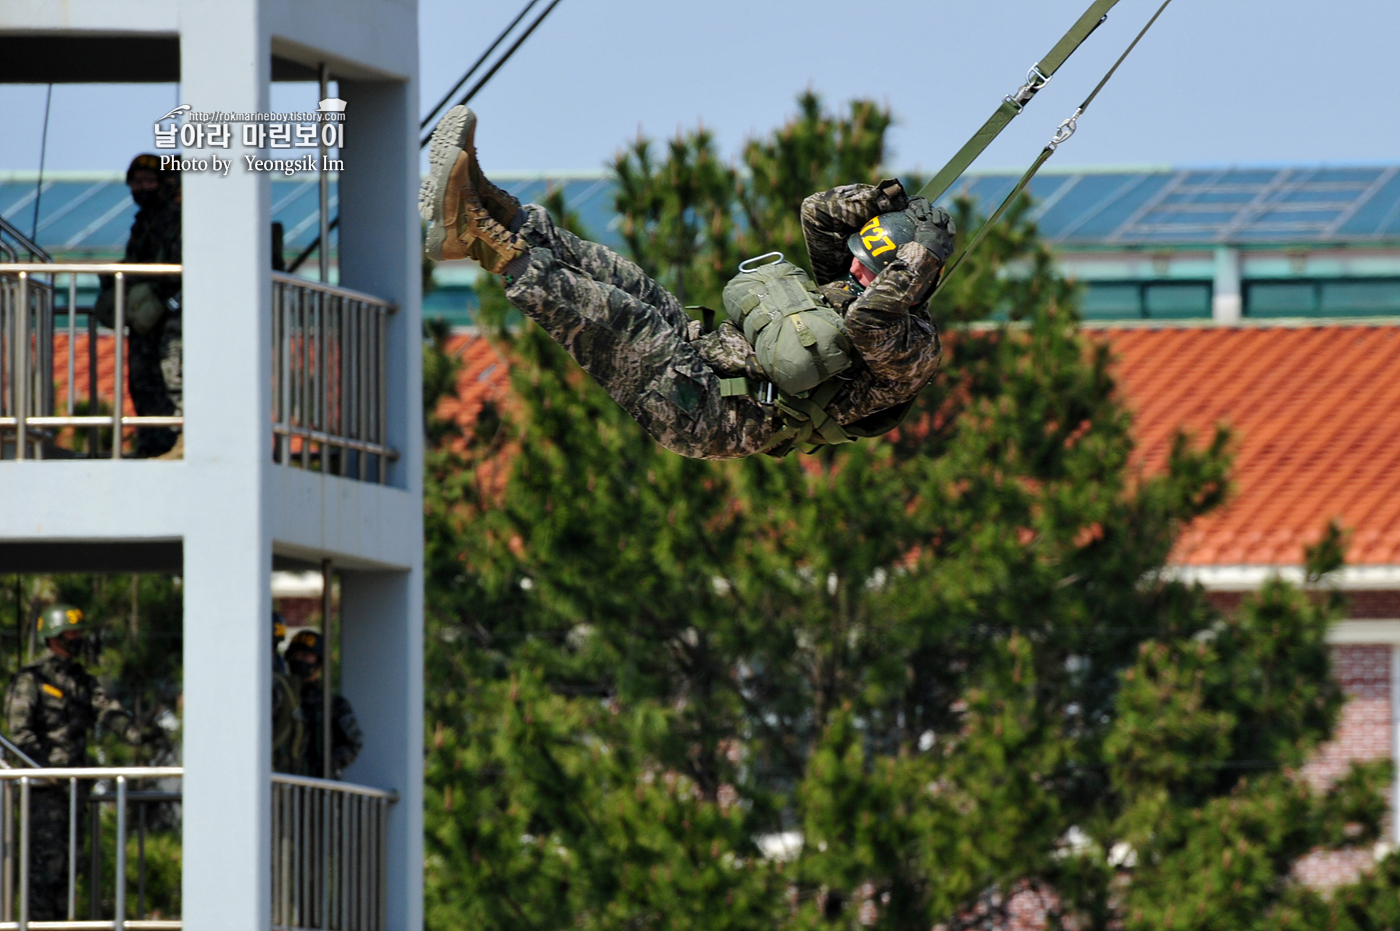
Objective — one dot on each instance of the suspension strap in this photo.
(1062, 133)
(1012, 105)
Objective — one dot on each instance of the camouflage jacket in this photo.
(346, 739)
(887, 322)
(53, 706)
(155, 239)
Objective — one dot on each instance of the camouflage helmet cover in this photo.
(61, 618)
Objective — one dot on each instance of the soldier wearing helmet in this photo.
(306, 660)
(861, 329)
(153, 305)
(52, 707)
(288, 727)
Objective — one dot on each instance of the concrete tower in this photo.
(243, 497)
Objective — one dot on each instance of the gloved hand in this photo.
(890, 196)
(933, 228)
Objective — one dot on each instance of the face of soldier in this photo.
(67, 644)
(304, 664)
(861, 273)
(145, 188)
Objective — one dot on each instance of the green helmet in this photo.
(877, 242)
(61, 618)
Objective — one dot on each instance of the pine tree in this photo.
(948, 660)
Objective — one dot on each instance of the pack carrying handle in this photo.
(1012, 104)
(748, 266)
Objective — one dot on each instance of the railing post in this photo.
(72, 334)
(94, 442)
(7, 888)
(24, 853)
(383, 381)
(118, 373)
(72, 839)
(21, 363)
(119, 895)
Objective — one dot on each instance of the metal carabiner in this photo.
(1064, 131)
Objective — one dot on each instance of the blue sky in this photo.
(1216, 82)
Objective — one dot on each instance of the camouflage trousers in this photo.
(48, 853)
(156, 383)
(633, 337)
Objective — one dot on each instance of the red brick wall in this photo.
(1364, 733)
(1373, 605)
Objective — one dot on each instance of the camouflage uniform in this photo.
(638, 342)
(52, 707)
(346, 739)
(154, 374)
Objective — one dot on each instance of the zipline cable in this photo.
(1012, 104)
(43, 152)
(1062, 133)
(499, 62)
(447, 97)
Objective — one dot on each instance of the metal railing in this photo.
(329, 363)
(329, 850)
(329, 855)
(25, 792)
(27, 311)
(329, 390)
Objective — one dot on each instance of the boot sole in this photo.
(451, 137)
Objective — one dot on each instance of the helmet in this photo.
(279, 628)
(59, 619)
(876, 243)
(308, 640)
(145, 162)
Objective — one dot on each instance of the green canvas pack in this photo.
(799, 340)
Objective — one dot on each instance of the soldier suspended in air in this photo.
(798, 364)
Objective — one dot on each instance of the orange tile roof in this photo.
(482, 378)
(106, 370)
(1315, 412)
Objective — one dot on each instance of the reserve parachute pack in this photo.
(799, 340)
(801, 344)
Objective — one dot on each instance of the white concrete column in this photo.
(1227, 299)
(225, 65)
(382, 676)
(381, 245)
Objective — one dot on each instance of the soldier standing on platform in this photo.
(305, 659)
(152, 310)
(52, 707)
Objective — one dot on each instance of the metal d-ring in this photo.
(1035, 80)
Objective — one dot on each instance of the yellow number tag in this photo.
(872, 233)
(50, 690)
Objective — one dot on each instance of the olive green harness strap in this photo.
(1012, 105)
(1065, 130)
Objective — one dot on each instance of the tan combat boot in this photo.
(456, 192)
